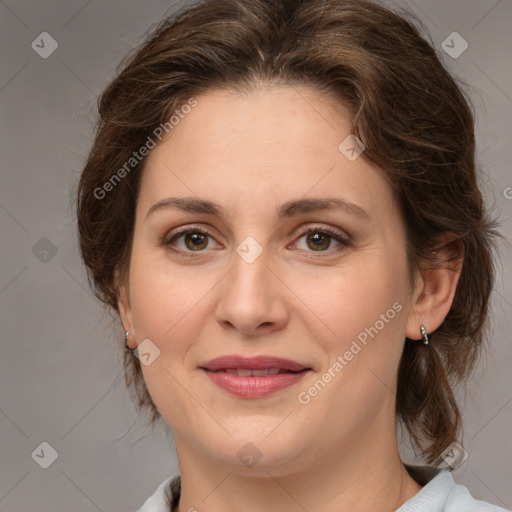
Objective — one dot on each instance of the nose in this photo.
(252, 299)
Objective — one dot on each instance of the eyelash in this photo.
(344, 242)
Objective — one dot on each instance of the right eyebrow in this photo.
(187, 204)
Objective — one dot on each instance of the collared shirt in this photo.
(439, 493)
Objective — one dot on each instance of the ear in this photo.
(435, 289)
(125, 312)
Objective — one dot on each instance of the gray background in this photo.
(60, 369)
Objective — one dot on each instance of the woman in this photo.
(281, 205)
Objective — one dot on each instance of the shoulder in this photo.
(165, 497)
(440, 493)
(459, 499)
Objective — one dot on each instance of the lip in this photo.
(253, 363)
(254, 386)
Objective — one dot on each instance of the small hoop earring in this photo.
(126, 339)
(425, 335)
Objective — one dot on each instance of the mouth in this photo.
(246, 372)
(254, 377)
(264, 363)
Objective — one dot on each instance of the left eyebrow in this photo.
(288, 209)
(299, 206)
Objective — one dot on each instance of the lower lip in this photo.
(254, 387)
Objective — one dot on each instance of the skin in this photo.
(249, 153)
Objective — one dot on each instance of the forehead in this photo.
(263, 122)
(269, 144)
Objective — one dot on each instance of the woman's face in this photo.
(282, 272)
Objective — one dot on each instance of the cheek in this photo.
(363, 307)
(166, 309)
(167, 300)
(353, 297)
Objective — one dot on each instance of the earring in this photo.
(425, 335)
(126, 339)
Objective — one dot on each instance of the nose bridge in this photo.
(250, 297)
(249, 280)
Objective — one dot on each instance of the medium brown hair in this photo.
(411, 114)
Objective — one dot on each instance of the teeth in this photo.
(269, 371)
(244, 372)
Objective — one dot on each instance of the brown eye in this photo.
(318, 241)
(321, 240)
(196, 241)
(188, 240)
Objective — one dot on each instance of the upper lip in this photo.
(253, 363)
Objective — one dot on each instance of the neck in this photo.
(363, 476)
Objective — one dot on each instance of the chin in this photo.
(251, 454)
